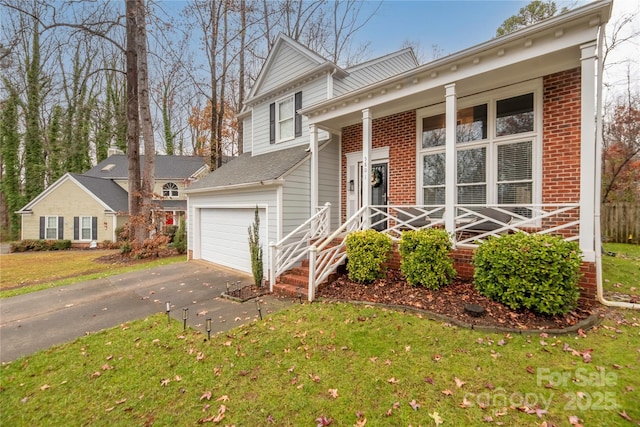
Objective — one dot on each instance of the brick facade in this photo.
(560, 159)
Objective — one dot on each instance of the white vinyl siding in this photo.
(313, 92)
(247, 134)
(376, 70)
(286, 66)
(296, 197)
(329, 179)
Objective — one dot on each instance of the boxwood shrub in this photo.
(533, 271)
(40, 245)
(367, 251)
(425, 259)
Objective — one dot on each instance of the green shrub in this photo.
(425, 259)
(180, 238)
(367, 251)
(37, 245)
(538, 272)
(170, 232)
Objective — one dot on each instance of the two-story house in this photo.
(89, 207)
(497, 138)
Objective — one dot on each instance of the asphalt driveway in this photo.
(39, 320)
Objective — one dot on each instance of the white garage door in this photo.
(225, 238)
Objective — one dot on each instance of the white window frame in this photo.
(165, 188)
(82, 228)
(47, 228)
(292, 119)
(492, 141)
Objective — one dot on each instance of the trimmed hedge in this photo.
(40, 245)
(533, 271)
(367, 251)
(425, 259)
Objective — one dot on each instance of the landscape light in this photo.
(185, 316)
(259, 308)
(299, 294)
(209, 328)
(168, 312)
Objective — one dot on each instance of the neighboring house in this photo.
(91, 206)
(496, 138)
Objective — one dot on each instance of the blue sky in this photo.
(452, 25)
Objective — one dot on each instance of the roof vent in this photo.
(108, 167)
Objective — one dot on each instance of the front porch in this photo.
(308, 256)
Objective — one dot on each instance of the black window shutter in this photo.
(76, 228)
(60, 227)
(94, 228)
(41, 228)
(272, 123)
(298, 117)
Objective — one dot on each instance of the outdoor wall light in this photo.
(259, 308)
(299, 294)
(209, 328)
(352, 185)
(168, 312)
(185, 316)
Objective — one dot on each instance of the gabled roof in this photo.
(104, 191)
(247, 169)
(167, 167)
(279, 43)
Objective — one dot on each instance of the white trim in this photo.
(278, 101)
(315, 179)
(450, 181)
(80, 228)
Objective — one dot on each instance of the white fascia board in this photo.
(234, 187)
(564, 31)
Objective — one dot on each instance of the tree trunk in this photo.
(133, 125)
(148, 174)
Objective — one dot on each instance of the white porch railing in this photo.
(291, 249)
(327, 251)
(560, 219)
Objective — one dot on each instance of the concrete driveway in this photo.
(36, 321)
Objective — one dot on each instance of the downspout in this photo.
(598, 187)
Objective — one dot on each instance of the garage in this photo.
(224, 236)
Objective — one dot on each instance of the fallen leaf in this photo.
(624, 415)
(323, 421)
(447, 392)
(333, 392)
(436, 418)
(428, 380)
(165, 382)
(121, 401)
(44, 387)
(223, 398)
(459, 382)
(530, 370)
(393, 380)
(415, 405)
(465, 403)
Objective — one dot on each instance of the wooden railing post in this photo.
(273, 252)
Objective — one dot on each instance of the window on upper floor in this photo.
(284, 122)
(170, 189)
(496, 144)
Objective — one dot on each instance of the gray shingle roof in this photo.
(248, 169)
(167, 167)
(106, 190)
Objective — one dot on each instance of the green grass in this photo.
(283, 370)
(33, 271)
(621, 273)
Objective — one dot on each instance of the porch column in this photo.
(366, 161)
(313, 145)
(451, 113)
(588, 186)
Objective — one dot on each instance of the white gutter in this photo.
(259, 184)
(598, 177)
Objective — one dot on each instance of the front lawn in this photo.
(31, 271)
(621, 268)
(330, 364)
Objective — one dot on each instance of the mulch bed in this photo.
(448, 301)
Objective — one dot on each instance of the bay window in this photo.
(496, 142)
